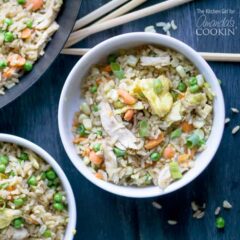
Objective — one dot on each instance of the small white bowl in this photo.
(69, 232)
(71, 97)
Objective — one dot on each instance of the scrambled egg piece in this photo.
(161, 103)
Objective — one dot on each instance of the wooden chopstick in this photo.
(96, 14)
(85, 32)
(122, 10)
(217, 57)
(221, 57)
(75, 51)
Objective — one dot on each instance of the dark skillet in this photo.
(66, 19)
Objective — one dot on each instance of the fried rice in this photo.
(147, 112)
(25, 28)
(32, 201)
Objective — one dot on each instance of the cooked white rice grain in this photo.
(227, 120)
(217, 211)
(156, 205)
(150, 29)
(194, 206)
(172, 222)
(234, 110)
(226, 204)
(235, 129)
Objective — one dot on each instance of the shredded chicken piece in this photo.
(116, 129)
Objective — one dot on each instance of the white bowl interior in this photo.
(71, 98)
(69, 233)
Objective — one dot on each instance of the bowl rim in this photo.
(167, 42)
(69, 233)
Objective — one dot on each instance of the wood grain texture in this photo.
(102, 215)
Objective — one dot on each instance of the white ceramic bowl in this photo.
(71, 98)
(69, 233)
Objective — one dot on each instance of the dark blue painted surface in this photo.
(102, 215)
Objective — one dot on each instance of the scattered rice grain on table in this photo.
(150, 28)
(227, 205)
(167, 26)
(235, 129)
(234, 110)
(156, 205)
(198, 214)
(145, 116)
(194, 206)
(217, 211)
(172, 222)
(227, 120)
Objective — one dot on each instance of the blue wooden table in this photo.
(102, 215)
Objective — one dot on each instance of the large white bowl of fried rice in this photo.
(141, 115)
(36, 199)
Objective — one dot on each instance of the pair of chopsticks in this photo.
(81, 34)
(115, 15)
(220, 57)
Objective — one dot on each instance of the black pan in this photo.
(66, 19)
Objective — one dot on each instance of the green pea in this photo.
(51, 175)
(18, 202)
(2, 168)
(23, 156)
(21, 2)
(29, 23)
(119, 152)
(58, 206)
(4, 159)
(28, 66)
(97, 147)
(220, 223)
(157, 86)
(93, 89)
(182, 87)
(18, 223)
(192, 81)
(112, 58)
(8, 37)
(81, 130)
(95, 108)
(32, 181)
(8, 21)
(194, 89)
(47, 234)
(3, 64)
(176, 133)
(155, 156)
(58, 197)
